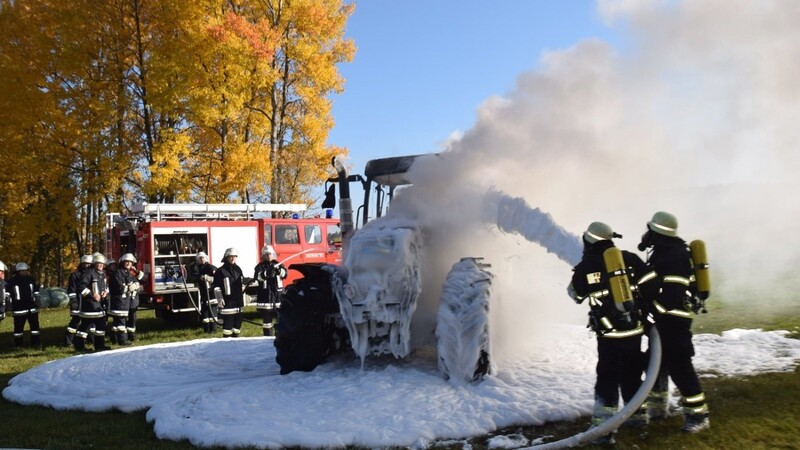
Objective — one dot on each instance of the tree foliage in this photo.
(110, 102)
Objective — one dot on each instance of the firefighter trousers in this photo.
(677, 353)
(19, 327)
(619, 369)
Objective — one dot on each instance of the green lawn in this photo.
(757, 412)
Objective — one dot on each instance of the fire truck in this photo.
(165, 238)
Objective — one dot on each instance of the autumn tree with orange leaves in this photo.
(106, 103)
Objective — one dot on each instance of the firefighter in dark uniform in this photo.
(269, 274)
(671, 268)
(228, 283)
(619, 333)
(203, 275)
(24, 304)
(93, 290)
(74, 303)
(133, 295)
(4, 296)
(111, 268)
(121, 284)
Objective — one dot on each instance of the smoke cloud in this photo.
(697, 114)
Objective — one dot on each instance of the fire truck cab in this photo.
(165, 239)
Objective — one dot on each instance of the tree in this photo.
(111, 102)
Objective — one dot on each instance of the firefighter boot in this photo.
(100, 343)
(639, 419)
(18, 341)
(600, 414)
(695, 423)
(657, 405)
(36, 340)
(68, 339)
(132, 336)
(113, 336)
(122, 338)
(269, 330)
(79, 342)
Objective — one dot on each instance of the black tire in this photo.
(462, 325)
(304, 337)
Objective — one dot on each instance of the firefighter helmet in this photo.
(21, 266)
(268, 251)
(664, 223)
(86, 259)
(200, 255)
(128, 257)
(98, 258)
(3, 267)
(598, 231)
(229, 252)
(111, 262)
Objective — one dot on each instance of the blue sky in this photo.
(423, 67)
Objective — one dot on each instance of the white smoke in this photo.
(697, 115)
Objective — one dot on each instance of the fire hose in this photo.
(622, 415)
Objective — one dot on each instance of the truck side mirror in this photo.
(330, 198)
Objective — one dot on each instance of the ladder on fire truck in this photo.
(149, 212)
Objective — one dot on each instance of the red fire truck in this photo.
(166, 237)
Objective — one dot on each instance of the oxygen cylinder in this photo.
(701, 275)
(617, 278)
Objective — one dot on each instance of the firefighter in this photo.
(228, 290)
(93, 291)
(74, 303)
(4, 297)
(121, 284)
(133, 292)
(619, 329)
(670, 266)
(269, 274)
(24, 304)
(203, 275)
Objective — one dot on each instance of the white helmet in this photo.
(3, 267)
(86, 259)
(598, 231)
(200, 255)
(98, 258)
(664, 223)
(229, 252)
(22, 266)
(128, 257)
(268, 250)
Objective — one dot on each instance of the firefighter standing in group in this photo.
(93, 291)
(229, 292)
(133, 297)
(24, 304)
(203, 274)
(74, 302)
(671, 267)
(269, 274)
(121, 285)
(3, 293)
(616, 322)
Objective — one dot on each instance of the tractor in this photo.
(367, 303)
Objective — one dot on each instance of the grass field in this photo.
(757, 412)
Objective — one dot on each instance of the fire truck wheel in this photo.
(462, 322)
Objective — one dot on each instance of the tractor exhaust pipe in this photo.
(345, 204)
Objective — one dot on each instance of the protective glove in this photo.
(134, 287)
